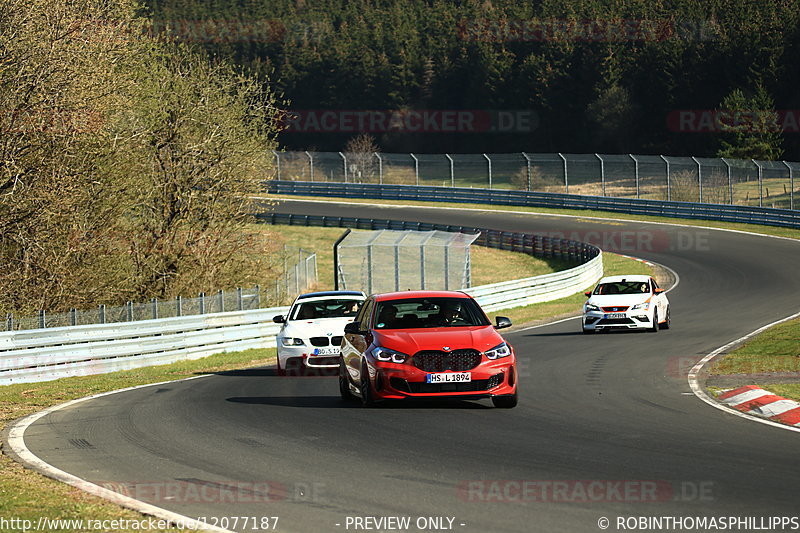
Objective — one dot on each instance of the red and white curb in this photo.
(756, 401)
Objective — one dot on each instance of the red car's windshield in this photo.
(416, 313)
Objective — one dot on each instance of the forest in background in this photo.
(592, 87)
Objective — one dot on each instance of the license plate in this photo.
(451, 377)
(615, 315)
(326, 351)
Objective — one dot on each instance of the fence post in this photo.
(760, 183)
(566, 176)
(730, 180)
(221, 296)
(416, 167)
(791, 184)
(699, 179)
(447, 268)
(636, 170)
(277, 163)
(154, 303)
(310, 164)
(669, 191)
(528, 164)
(452, 174)
(489, 161)
(380, 168)
(344, 163)
(602, 173)
(42, 319)
(73, 317)
(129, 305)
(9, 322)
(202, 297)
(258, 297)
(179, 305)
(102, 313)
(239, 300)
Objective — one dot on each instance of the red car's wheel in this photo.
(367, 398)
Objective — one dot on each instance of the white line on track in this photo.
(16, 441)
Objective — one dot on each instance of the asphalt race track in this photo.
(606, 426)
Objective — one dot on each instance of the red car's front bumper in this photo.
(399, 381)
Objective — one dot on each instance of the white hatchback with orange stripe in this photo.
(626, 302)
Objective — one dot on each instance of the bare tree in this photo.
(360, 151)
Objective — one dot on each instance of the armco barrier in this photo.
(496, 296)
(45, 354)
(52, 353)
(688, 210)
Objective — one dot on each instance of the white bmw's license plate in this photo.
(451, 377)
(614, 315)
(326, 351)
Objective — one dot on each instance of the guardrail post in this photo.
(699, 179)
(452, 174)
(760, 183)
(489, 161)
(101, 311)
(154, 304)
(310, 164)
(528, 164)
(73, 317)
(566, 177)
(202, 297)
(42, 319)
(380, 168)
(179, 305)
(636, 170)
(277, 163)
(730, 181)
(602, 173)
(416, 167)
(669, 191)
(344, 163)
(791, 184)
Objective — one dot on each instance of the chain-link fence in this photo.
(689, 179)
(388, 260)
(297, 277)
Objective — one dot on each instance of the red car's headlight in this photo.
(501, 350)
(390, 356)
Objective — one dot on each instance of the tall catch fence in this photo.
(653, 177)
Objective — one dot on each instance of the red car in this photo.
(426, 344)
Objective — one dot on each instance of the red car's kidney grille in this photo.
(457, 360)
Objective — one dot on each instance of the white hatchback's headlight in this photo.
(590, 307)
(388, 356)
(501, 350)
(644, 306)
(292, 341)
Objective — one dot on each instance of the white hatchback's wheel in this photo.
(666, 324)
(654, 329)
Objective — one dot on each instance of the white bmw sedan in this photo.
(626, 302)
(312, 331)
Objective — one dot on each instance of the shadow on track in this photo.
(335, 402)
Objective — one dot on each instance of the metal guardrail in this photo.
(503, 295)
(52, 353)
(686, 210)
(46, 354)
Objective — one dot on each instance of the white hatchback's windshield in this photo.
(623, 287)
(337, 308)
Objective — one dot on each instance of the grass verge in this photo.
(775, 351)
(27, 495)
(483, 260)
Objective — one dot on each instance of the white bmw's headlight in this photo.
(501, 350)
(590, 307)
(389, 356)
(644, 306)
(291, 341)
